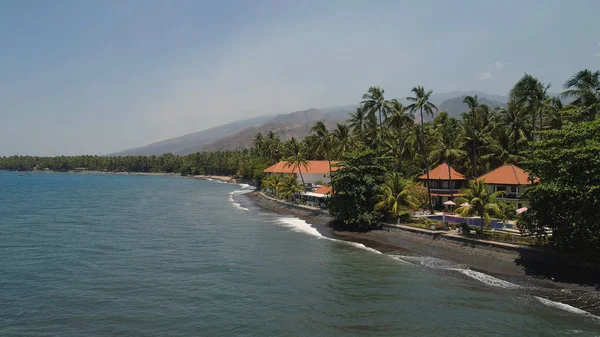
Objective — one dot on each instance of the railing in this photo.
(444, 190)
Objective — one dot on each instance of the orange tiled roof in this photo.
(323, 189)
(441, 173)
(314, 166)
(507, 174)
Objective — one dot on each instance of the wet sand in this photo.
(541, 273)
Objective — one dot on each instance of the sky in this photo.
(95, 77)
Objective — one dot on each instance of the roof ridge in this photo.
(515, 173)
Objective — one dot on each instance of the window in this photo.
(500, 188)
(513, 189)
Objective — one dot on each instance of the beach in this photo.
(527, 268)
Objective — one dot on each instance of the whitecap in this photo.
(565, 307)
(246, 186)
(301, 226)
(488, 279)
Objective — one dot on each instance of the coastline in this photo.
(225, 179)
(527, 269)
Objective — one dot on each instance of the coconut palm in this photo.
(288, 186)
(297, 158)
(446, 147)
(420, 102)
(272, 182)
(472, 103)
(342, 141)
(394, 197)
(480, 203)
(531, 93)
(358, 122)
(400, 117)
(324, 141)
(514, 118)
(374, 101)
(584, 86)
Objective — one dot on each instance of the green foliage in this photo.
(567, 196)
(394, 197)
(480, 203)
(357, 185)
(509, 209)
(288, 186)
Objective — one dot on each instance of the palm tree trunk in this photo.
(450, 181)
(533, 126)
(482, 224)
(541, 125)
(474, 158)
(380, 126)
(330, 176)
(302, 178)
(426, 162)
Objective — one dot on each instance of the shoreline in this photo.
(534, 270)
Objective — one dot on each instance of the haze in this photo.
(95, 77)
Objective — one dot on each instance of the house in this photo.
(509, 178)
(315, 170)
(445, 183)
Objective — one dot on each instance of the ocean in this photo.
(125, 255)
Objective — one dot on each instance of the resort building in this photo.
(445, 182)
(315, 170)
(509, 178)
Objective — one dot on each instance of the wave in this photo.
(246, 186)
(565, 307)
(435, 263)
(234, 203)
(301, 226)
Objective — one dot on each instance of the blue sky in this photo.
(101, 76)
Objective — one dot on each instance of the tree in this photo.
(394, 197)
(324, 141)
(342, 141)
(480, 202)
(446, 147)
(400, 117)
(288, 186)
(358, 122)
(584, 86)
(473, 103)
(531, 93)
(357, 184)
(567, 194)
(272, 182)
(514, 118)
(421, 103)
(297, 157)
(374, 101)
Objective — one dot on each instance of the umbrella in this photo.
(450, 203)
(464, 204)
(522, 210)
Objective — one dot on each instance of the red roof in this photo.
(507, 174)
(313, 166)
(323, 189)
(441, 173)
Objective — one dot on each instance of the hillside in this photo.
(296, 124)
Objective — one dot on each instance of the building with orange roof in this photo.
(445, 183)
(508, 178)
(315, 170)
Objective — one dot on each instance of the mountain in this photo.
(455, 106)
(297, 124)
(193, 142)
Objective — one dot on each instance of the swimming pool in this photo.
(494, 224)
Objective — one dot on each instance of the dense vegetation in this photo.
(555, 142)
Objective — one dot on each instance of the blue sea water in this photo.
(118, 255)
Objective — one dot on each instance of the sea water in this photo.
(117, 255)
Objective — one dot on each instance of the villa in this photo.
(315, 171)
(509, 178)
(445, 182)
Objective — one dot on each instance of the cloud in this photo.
(498, 65)
(485, 75)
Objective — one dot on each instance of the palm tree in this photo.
(399, 117)
(258, 143)
(373, 101)
(324, 141)
(297, 157)
(421, 103)
(288, 186)
(513, 117)
(272, 182)
(358, 122)
(473, 103)
(341, 139)
(480, 202)
(530, 92)
(584, 86)
(394, 197)
(446, 148)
